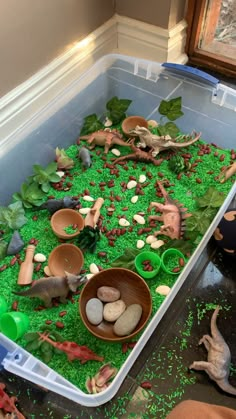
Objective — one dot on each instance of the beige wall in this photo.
(164, 13)
(34, 32)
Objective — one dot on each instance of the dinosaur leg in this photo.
(200, 366)
(106, 148)
(63, 299)
(206, 340)
(155, 205)
(155, 217)
(213, 372)
(47, 301)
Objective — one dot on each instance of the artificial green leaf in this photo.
(212, 198)
(13, 216)
(91, 124)
(161, 130)
(30, 195)
(43, 177)
(117, 108)
(199, 221)
(127, 259)
(51, 168)
(47, 356)
(171, 129)
(33, 345)
(54, 178)
(46, 347)
(29, 337)
(171, 108)
(3, 249)
(184, 246)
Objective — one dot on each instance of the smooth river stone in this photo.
(128, 321)
(112, 311)
(94, 311)
(108, 294)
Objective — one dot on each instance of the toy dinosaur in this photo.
(159, 143)
(8, 403)
(106, 138)
(85, 157)
(53, 205)
(218, 360)
(72, 350)
(173, 216)
(53, 286)
(139, 155)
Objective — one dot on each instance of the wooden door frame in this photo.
(195, 17)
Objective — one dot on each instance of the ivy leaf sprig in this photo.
(117, 108)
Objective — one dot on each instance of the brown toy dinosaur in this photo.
(7, 403)
(53, 286)
(218, 360)
(160, 143)
(139, 155)
(173, 216)
(106, 138)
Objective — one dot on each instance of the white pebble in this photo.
(84, 210)
(140, 244)
(88, 198)
(110, 209)
(142, 179)
(39, 257)
(152, 123)
(60, 173)
(123, 222)
(115, 152)
(89, 276)
(157, 244)
(163, 289)
(108, 122)
(131, 184)
(150, 239)
(93, 268)
(134, 199)
(139, 219)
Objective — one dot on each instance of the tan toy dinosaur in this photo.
(173, 216)
(218, 359)
(160, 143)
(105, 138)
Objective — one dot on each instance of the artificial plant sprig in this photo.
(30, 195)
(44, 176)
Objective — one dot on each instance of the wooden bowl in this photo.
(131, 122)
(64, 218)
(65, 257)
(133, 289)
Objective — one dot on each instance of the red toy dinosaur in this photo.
(8, 403)
(72, 350)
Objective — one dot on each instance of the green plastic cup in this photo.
(155, 262)
(170, 260)
(3, 305)
(14, 324)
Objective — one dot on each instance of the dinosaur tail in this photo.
(226, 386)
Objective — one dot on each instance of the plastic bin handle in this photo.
(192, 72)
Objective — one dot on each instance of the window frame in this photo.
(211, 57)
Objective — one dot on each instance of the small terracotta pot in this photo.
(133, 290)
(64, 218)
(66, 257)
(131, 122)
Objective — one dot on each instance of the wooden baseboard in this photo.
(119, 34)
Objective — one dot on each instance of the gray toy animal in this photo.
(53, 286)
(53, 205)
(218, 361)
(84, 155)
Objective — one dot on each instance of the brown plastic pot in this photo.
(66, 257)
(131, 122)
(133, 290)
(64, 218)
